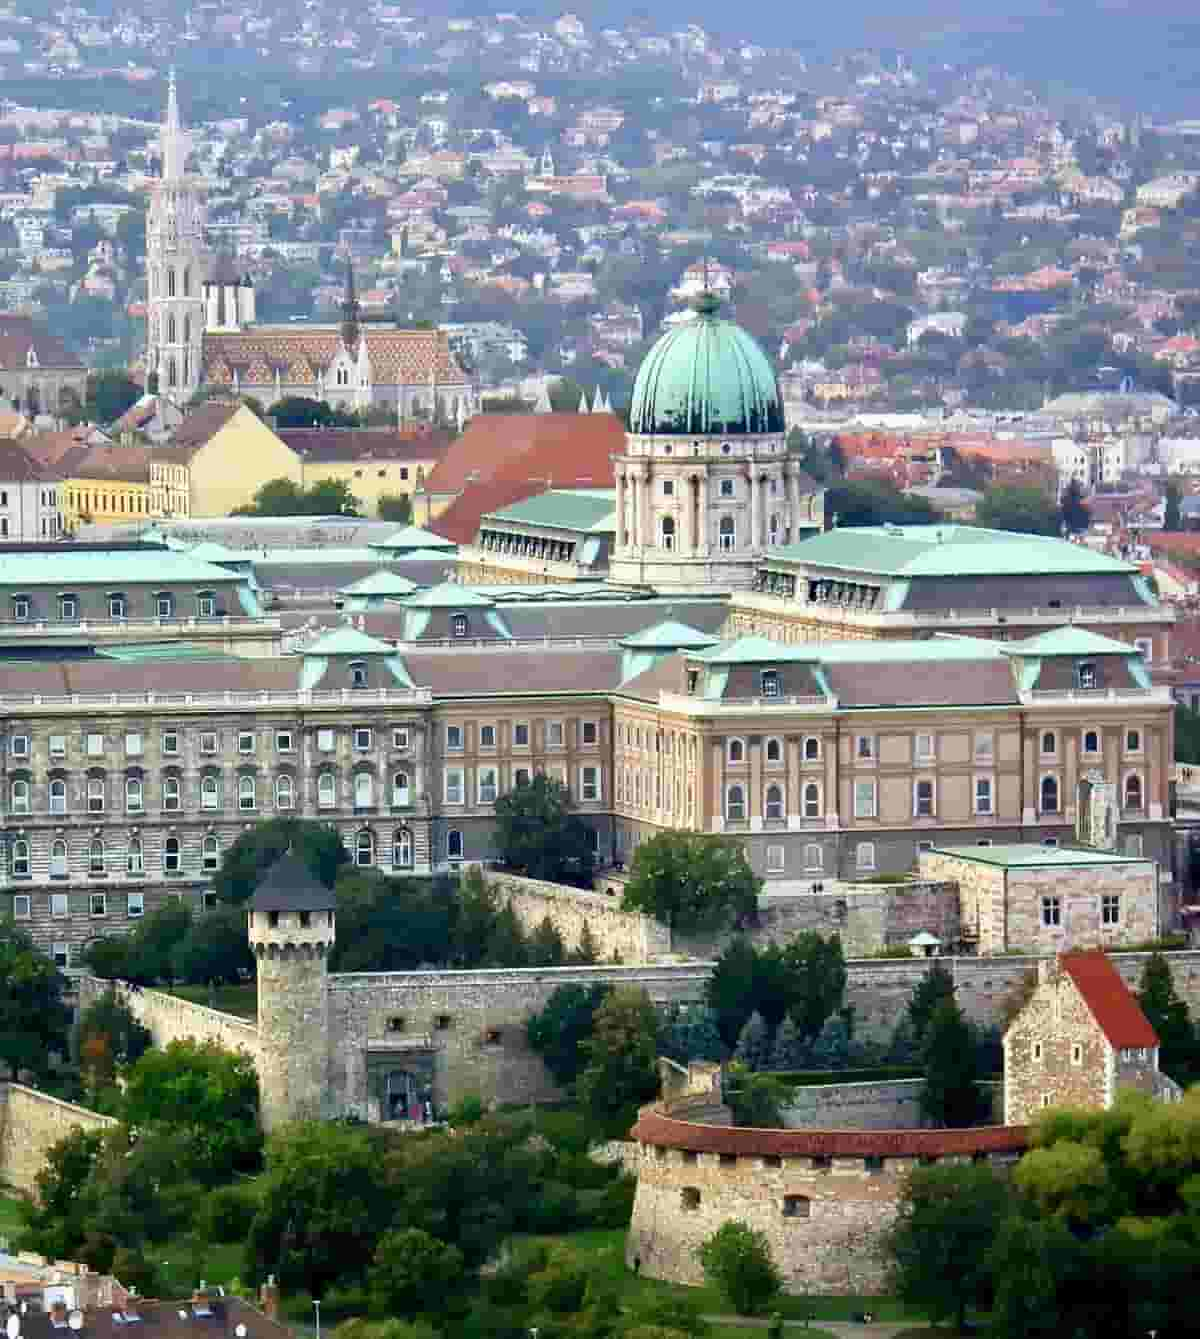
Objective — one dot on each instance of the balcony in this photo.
(31, 703)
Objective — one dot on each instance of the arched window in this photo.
(812, 800)
(20, 859)
(210, 854)
(726, 533)
(1091, 741)
(358, 674)
(171, 857)
(95, 795)
(170, 371)
(774, 802)
(400, 791)
(247, 796)
(58, 860)
(171, 328)
(19, 797)
(364, 790)
(812, 749)
(773, 528)
(134, 862)
(1049, 795)
(1049, 744)
(96, 860)
(735, 803)
(170, 283)
(285, 792)
(210, 792)
(666, 532)
(1133, 791)
(454, 844)
(171, 792)
(326, 790)
(402, 849)
(58, 796)
(737, 750)
(187, 329)
(460, 625)
(774, 750)
(364, 848)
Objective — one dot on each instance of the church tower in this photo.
(176, 266)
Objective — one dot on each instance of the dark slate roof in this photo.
(288, 886)
(462, 673)
(1022, 592)
(974, 683)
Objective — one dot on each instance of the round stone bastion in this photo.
(823, 1197)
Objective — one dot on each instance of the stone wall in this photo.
(624, 936)
(31, 1123)
(889, 1104)
(170, 1018)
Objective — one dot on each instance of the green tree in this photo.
(244, 864)
(54, 1226)
(949, 1096)
(415, 1273)
(756, 1100)
(621, 1071)
(1073, 510)
(1169, 1017)
(1172, 516)
(277, 497)
(107, 1036)
(753, 1049)
(787, 1050)
(939, 1246)
(215, 949)
(298, 411)
(33, 1017)
(731, 989)
(204, 1093)
(109, 395)
(692, 881)
(394, 507)
(875, 502)
(559, 1029)
(935, 987)
(538, 833)
(1019, 507)
(330, 497)
(737, 1260)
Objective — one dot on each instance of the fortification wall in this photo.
(623, 936)
(31, 1123)
(170, 1018)
(889, 1104)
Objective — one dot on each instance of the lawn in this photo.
(239, 1000)
(11, 1222)
(183, 1262)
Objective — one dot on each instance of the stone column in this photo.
(754, 800)
(832, 796)
(645, 519)
(793, 754)
(792, 487)
(620, 482)
(755, 510)
(717, 787)
(687, 540)
(702, 513)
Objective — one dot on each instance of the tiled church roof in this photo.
(403, 357)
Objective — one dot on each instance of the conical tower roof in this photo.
(289, 886)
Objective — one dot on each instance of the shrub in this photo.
(553, 1209)
(467, 1111)
(227, 1213)
(738, 1260)
(609, 1208)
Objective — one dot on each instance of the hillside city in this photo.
(599, 680)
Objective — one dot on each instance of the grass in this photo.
(11, 1222)
(183, 1262)
(242, 1001)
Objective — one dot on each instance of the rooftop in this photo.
(563, 509)
(348, 642)
(1032, 855)
(111, 567)
(1071, 642)
(288, 886)
(1112, 1004)
(412, 537)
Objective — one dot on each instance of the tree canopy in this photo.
(1018, 507)
(692, 881)
(559, 1029)
(33, 1017)
(539, 834)
(283, 497)
(621, 1070)
(245, 862)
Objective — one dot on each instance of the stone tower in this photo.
(176, 266)
(291, 929)
(704, 484)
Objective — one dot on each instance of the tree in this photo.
(394, 507)
(1169, 1017)
(298, 411)
(1172, 516)
(787, 1051)
(756, 1100)
(54, 1226)
(559, 1029)
(737, 1259)
(1018, 507)
(205, 1093)
(621, 1070)
(689, 1032)
(731, 989)
(936, 986)
(753, 1049)
(109, 395)
(1074, 511)
(414, 1272)
(539, 835)
(277, 497)
(244, 864)
(876, 502)
(831, 1046)
(107, 1036)
(330, 497)
(949, 1096)
(939, 1246)
(215, 949)
(692, 881)
(33, 1017)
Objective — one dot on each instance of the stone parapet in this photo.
(31, 1123)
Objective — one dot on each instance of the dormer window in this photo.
(1087, 674)
(460, 625)
(31, 358)
(693, 681)
(358, 674)
(769, 682)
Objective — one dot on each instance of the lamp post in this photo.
(317, 1309)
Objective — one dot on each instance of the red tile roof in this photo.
(1112, 1004)
(344, 444)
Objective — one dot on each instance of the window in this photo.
(58, 797)
(285, 741)
(1133, 791)
(487, 785)
(797, 1206)
(769, 685)
(1133, 741)
(208, 741)
(133, 744)
(923, 799)
(170, 793)
(1037, 1051)
(20, 859)
(454, 738)
(814, 858)
(983, 794)
(1091, 741)
(554, 734)
(247, 798)
(1049, 744)
(773, 802)
(454, 844)
(400, 790)
(94, 746)
(210, 792)
(1051, 911)
(737, 751)
(487, 736)
(362, 738)
(735, 803)
(522, 776)
(812, 800)
(666, 532)
(1049, 795)
(325, 740)
(164, 605)
(520, 734)
(454, 785)
(726, 533)
(400, 739)
(873, 1163)
(402, 849)
(364, 790)
(58, 870)
(358, 674)
(245, 741)
(590, 733)
(60, 953)
(923, 748)
(864, 855)
(689, 1199)
(285, 793)
(589, 783)
(727, 488)
(693, 682)
(812, 749)
(210, 854)
(68, 607)
(864, 799)
(1110, 909)
(775, 859)
(1077, 1053)
(364, 848)
(134, 863)
(170, 743)
(97, 902)
(1086, 673)
(18, 797)
(460, 625)
(171, 857)
(864, 748)
(668, 488)
(774, 750)
(206, 604)
(22, 907)
(19, 746)
(985, 746)
(20, 608)
(118, 606)
(326, 790)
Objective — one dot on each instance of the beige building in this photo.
(1079, 1038)
(371, 462)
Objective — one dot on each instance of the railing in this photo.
(264, 698)
(1040, 613)
(196, 624)
(691, 700)
(1159, 693)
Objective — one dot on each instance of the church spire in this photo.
(172, 138)
(350, 309)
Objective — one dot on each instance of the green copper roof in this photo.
(413, 537)
(348, 642)
(563, 509)
(1032, 855)
(381, 582)
(946, 551)
(449, 595)
(706, 376)
(669, 636)
(113, 569)
(934, 650)
(212, 552)
(1070, 641)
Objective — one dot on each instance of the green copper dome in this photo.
(707, 377)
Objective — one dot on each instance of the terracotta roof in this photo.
(17, 465)
(123, 464)
(335, 444)
(50, 447)
(1113, 1005)
(162, 1320)
(397, 357)
(199, 426)
(19, 334)
(654, 1127)
(460, 520)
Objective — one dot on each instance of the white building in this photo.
(28, 498)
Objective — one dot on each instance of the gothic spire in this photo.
(172, 138)
(350, 309)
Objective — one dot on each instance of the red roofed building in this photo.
(1080, 1037)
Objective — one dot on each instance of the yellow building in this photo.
(371, 462)
(222, 453)
(104, 485)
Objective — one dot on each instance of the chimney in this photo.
(268, 1298)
